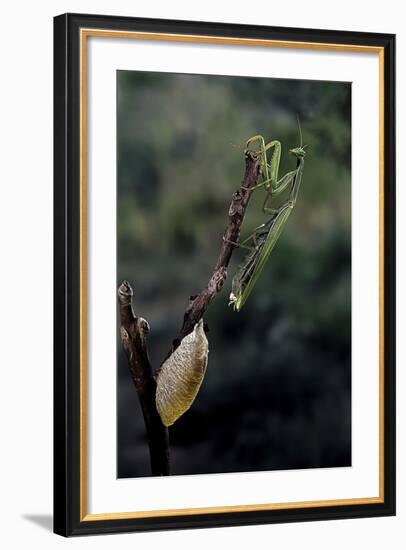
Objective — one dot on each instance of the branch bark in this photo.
(133, 332)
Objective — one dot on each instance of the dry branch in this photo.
(236, 213)
(134, 329)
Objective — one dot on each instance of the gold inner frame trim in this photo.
(173, 37)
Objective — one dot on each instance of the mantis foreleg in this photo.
(252, 237)
(262, 150)
(280, 186)
(271, 171)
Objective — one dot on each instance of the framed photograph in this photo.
(224, 274)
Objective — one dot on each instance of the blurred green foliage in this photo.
(277, 390)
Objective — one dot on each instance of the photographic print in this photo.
(224, 274)
(234, 251)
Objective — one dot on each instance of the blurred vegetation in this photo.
(277, 390)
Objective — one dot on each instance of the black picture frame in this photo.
(68, 519)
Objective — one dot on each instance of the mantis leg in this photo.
(256, 138)
(296, 176)
(240, 245)
(273, 170)
(257, 186)
(252, 237)
(275, 189)
(275, 160)
(262, 150)
(278, 188)
(282, 184)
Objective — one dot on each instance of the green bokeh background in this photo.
(277, 393)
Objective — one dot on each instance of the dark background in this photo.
(277, 392)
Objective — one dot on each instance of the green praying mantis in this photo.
(266, 235)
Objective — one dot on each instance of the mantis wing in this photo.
(273, 235)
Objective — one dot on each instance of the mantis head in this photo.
(298, 152)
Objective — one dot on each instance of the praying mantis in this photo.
(266, 235)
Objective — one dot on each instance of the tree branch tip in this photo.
(125, 288)
(125, 293)
(250, 154)
(143, 325)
